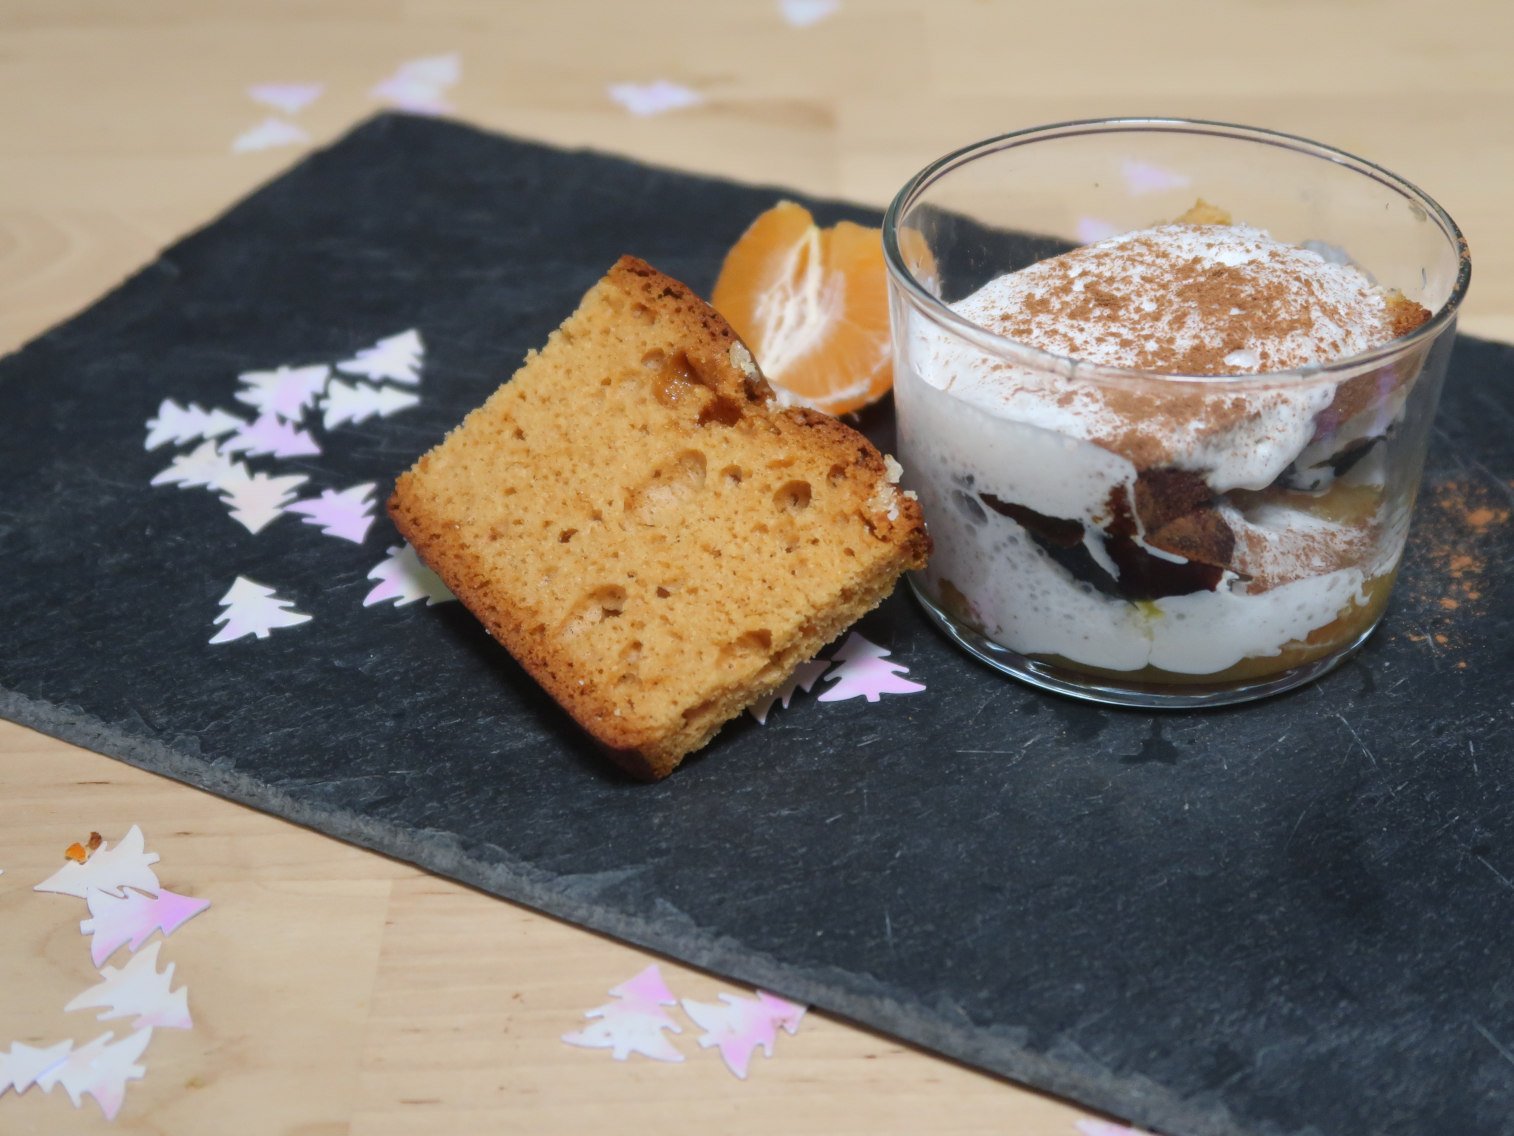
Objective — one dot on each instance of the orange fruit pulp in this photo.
(812, 304)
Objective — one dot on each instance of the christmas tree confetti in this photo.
(404, 579)
(657, 97)
(862, 672)
(258, 501)
(803, 679)
(397, 358)
(347, 514)
(111, 869)
(270, 435)
(138, 991)
(285, 392)
(252, 609)
(100, 1070)
(267, 134)
(357, 402)
(20, 1068)
(1091, 1126)
(807, 13)
(741, 1026)
(419, 85)
(131, 919)
(182, 424)
(635, 1022)
(291, 98)
(203, 467)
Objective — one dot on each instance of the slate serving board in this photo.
(1287, 918)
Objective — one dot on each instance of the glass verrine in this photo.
(1290, 492)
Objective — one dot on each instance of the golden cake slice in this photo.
(656, 540)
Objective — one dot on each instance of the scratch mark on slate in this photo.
(1503, 879)
(1493, 1041)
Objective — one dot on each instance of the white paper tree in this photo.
(269, 434)
(110, 868)
(347, 514)
(20, 1068)
(100, 1070)
(419, 84)
(284, 392)
(267, 134)
(634, 1023)
(291, 98)
(138, 991)
(657, 97)
(862, 672)
(260, 500)
(358, 402)
(252, 609)
(805, 13)
(743, 1025)
(181, 424)
(403, 578)
(803, 679)
(397, 358)
(129, 920)
(204, 466)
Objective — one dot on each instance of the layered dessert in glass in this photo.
(1174, 466)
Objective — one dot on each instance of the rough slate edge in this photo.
(942, 1026)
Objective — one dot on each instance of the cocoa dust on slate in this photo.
(1456, 519)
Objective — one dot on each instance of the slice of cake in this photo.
(649, 534)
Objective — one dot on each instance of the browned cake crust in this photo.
(641, 525)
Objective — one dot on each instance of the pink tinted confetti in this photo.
(20, 1068)
(743, 1025)
(357, 402)
(804, 679)
(1145, 177)
(418, 85)
(862, 671)
(1091, 230)
(252, 609)
(1090, 1126)
(634, 1023)
(266, 135)
(806, 13)
(397, 358)
(412, 95)
(100, 1070)
(347, 514)
(204, 466)
(291, 98)
(110, 869)
(285, 392)
(260, 500)
(130, 920)
(271, 435)
(403, 579)
(442, 70)
(181, 424)
(138, 991)
(657, 97)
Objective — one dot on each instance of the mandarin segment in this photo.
(812, 304)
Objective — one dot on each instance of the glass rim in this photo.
(934, 308)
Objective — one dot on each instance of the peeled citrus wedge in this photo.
(812, 305)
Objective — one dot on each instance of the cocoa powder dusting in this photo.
(1453, 528)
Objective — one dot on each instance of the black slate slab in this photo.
(1288, 918)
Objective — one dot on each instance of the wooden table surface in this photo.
(337, 991)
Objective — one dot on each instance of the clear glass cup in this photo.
(1039, 567)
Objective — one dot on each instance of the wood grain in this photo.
(335, 991)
